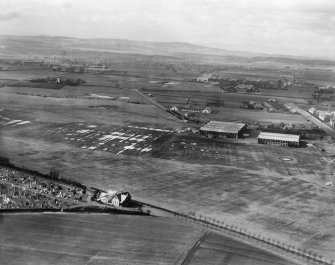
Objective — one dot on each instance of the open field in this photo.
(84, 92)
(91, 239)
(25, 74)
(211, 95)
(253, 188)
(126, 140)
(115, 239)
(216, 249)
(60, 110)
(247, 185)
(235, 114)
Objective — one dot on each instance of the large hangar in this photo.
(222, 129)
(282, 139)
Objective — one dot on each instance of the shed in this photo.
(292, 140)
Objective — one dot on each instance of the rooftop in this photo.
(223, 127)
(279, 136)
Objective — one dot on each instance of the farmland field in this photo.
(115, 239)
(220, 250)
(91, 239)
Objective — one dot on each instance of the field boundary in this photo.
(283, 249)
(157, 104)
(190, 248)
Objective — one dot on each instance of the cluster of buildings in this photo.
(12, 197)
(204, 78)
(80, 68)
(195, 108)
(22, 191)
(235, 130)
(114, 198)
(324, 93)
(325, 116)
(42, 186)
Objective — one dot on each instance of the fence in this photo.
(289, 251)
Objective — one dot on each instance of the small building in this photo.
(332, 122)
(217, 129)
(174, 108)
(121, 199)
(204, 78)
(78, 68)
(324, 115)
(312, 110)
(114, 198)
(207, 110)
(281, 139)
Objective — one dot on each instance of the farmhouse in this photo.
(222, 129)
(121, 199)
(114, 198)
(291, 140)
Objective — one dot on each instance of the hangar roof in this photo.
(279, 136)
(222, 127)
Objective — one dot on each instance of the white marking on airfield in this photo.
(12, 122)
(23, 122)
(147, 149)
(83, 131)
(150, 129)
(110, 137)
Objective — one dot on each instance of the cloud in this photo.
(9, 16)
(278, 26)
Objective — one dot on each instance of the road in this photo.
(330, 131)
(154, 102)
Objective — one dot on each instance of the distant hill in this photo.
(44, 43)
(10, 44)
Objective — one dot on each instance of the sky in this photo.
(293, 27)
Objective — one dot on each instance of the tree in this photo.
(54, 173)
(280, 84)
